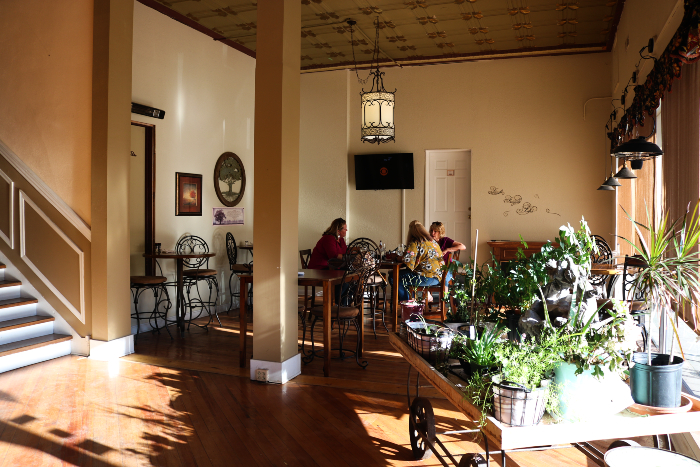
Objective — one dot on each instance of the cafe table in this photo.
(312, 277)
(180, 261)
(394, 266)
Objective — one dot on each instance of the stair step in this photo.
(33, 343)
(9, 283)
(12, 302)
(22, 322)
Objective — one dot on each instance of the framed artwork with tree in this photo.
(188, 194)
(229, 179)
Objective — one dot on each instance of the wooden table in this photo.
(312, 277)
(394, 266)
(180, 301)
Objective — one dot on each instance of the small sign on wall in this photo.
(228, 216)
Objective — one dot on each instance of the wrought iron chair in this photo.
(158, 286)
(194, 275)
(375, 283)
(236, 268)
(347, 311)
(436, 309)
(604, 256)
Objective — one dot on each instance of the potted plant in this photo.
(464, 308)
(670, 277)
(432, 340)
(478, 355)
(411, 306)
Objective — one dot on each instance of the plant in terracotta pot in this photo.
(669, 278)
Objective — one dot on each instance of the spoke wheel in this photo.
(421, 419)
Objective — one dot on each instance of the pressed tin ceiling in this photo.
(415, 32)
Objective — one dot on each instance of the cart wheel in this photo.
(421, 419)
(622, 443)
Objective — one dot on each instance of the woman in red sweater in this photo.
(330, 246)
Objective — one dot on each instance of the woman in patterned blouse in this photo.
(423, 259)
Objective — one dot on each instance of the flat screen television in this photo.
(384, 171)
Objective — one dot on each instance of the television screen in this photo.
(384, 171)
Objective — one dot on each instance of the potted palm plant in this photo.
(669, 279)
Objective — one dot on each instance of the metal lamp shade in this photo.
(378, 117)
(612, 181)
(636, 164)
(637, 148)
(625, 173)
(605, 187)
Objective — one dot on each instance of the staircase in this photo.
(25, 337)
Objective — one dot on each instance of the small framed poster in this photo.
(188, 194)
(228, 216)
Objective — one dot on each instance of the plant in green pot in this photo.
(669, 277)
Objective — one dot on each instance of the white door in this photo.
(448, 194)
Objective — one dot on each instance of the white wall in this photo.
(207, 90)
(523, 121)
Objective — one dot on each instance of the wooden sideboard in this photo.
(507, 251)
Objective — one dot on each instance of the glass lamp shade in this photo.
(377, 117)
(625, 173)
(612, 181)
(637, 148)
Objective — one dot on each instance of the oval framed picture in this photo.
(229, 179)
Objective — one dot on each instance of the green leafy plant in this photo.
(671, 274)
(482, 350)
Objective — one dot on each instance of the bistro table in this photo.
(180, 302)
(311, 277)
(394, 266)
(607, 270)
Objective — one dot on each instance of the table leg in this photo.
(327, 294)
(243, 323)
(361, 331)
(395, 295)
(180, 307)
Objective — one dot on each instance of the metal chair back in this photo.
(192, 244)
(305, 256)
(231, 249)
(364, 244)
(604, 256)
(632, 266)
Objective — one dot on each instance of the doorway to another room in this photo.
(142, 198)
(448, 192)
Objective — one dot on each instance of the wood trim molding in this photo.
(45, 191)
(24, 200)
(11, 239)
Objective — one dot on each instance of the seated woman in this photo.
(423, 258)
(330, 246)
(447, 245)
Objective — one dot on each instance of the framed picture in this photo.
(229, 179)
(188, 194)
(228, 216)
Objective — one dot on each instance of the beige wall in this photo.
(323, 149)
(46, 92)
(523, 121)
(207, 91)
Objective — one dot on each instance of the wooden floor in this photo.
(195, 409)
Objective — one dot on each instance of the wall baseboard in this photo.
(109, 350)
(279, 372)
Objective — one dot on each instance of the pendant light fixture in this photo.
(636, 164)
(377, 103)
(624, 172)
(611, 182)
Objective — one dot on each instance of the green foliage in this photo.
(672, 271)
(480, 351)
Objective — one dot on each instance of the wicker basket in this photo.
(434, 348)
(516, 405)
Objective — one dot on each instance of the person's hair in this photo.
(417, 233)
(438, 227)
(335, 226)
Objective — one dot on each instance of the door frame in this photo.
(426, 200)
(150, 194)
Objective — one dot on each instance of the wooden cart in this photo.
(504, 438)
